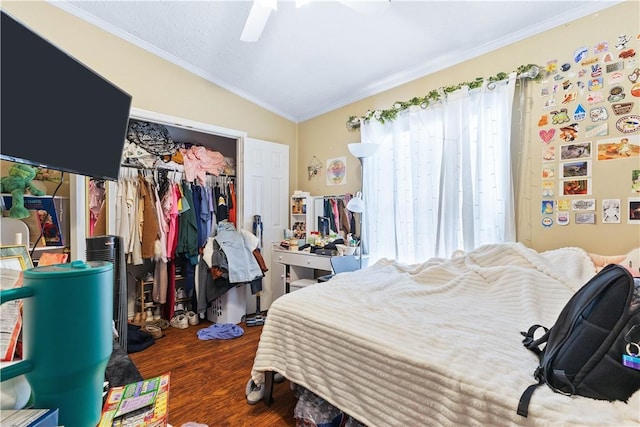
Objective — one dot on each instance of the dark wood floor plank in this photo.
(208, 379)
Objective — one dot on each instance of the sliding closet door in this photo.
(266, 193)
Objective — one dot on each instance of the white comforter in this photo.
(436, 343)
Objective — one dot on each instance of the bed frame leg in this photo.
(268, 387)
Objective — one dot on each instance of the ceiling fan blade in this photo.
(257, 19)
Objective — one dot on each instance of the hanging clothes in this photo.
(188, 228)
(150, 229)
(96, 200)
(232, 202)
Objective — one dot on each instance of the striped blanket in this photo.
(436, 343)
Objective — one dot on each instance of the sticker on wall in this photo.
(576, 187)
(622, 108)
(549, 103)
(543, 120)
(611, 211)
(607, 58)
(577, 169)
(579, 54)
(635, 90)
(552, 66)
(615, 67)
(580, 86)
(623, 39)
(337, 171)
(580, 150)
(619, 148)
(628, 124)
(549, 153)
(565, 67)
(601, 47)
(586, 218)
(567, 85)
(616, 78)
(634, 210)
(563, 205)
(598, 114)
(547, 207)
(544, 90)
(595, 98)
(595, 83)
(569, 97)
(548, 170)
(589, 61)
(635, 181)
(583, 205)
(580, 113)
(582, 72)
(596, 71)
(547, 221)
(616, 94)
(627, 53)
(633, 77)
(600, 129)
(562, 218)
(559, 117)
(548, 188)
(569, 133)
(547, 135)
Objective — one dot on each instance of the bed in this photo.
(436, 343)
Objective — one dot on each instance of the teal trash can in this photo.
(67, 337)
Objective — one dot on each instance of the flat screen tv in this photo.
(55, 111)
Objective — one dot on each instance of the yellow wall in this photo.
(160, 86)
(326, 136)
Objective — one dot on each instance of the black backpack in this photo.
(584, 348)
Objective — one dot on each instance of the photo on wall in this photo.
(635, 181)
(572, 187)
(620, 147)
(576, 169)
(337, 171)
(634, 210)
(611, 211)
(581, 150)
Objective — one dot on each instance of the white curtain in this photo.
(441, 179)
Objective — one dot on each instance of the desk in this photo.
(297, 268)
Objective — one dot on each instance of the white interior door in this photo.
(265, 180)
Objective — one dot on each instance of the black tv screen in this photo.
(55, 111)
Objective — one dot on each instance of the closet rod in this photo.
(160, 167)
(334, 197)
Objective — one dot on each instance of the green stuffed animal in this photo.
(17, 183)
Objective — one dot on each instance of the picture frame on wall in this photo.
(15, 257)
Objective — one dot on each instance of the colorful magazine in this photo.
(140, 404)
(45, 214)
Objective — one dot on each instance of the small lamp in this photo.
(356, 204)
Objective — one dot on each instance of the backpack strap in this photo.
(523, 405)
(530, 343)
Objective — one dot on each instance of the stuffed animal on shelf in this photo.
(17, 183)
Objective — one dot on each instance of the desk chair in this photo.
(341, 264)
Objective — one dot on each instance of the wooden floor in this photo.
(208, 379)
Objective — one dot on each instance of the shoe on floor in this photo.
(192, 318)
(180, 321)
(256, 393)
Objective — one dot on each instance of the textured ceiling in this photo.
(324, 55)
